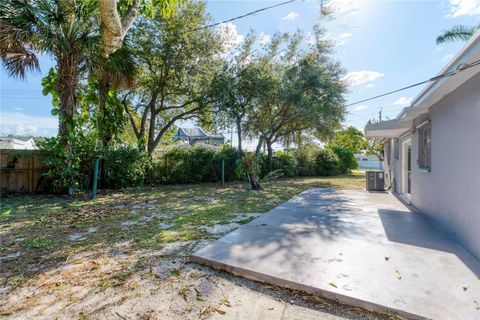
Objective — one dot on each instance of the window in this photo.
(425, 146)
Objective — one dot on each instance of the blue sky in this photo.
(383, 45)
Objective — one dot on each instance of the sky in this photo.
(382, 45)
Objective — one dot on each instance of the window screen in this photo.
(425, 146)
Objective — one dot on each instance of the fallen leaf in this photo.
(271, 308)
(333, 285)
(199, 295)
(398, 275)
(78, 262)
(218, 310)
(184, 293)
(465, 288)
(387, 258)
(224, 302)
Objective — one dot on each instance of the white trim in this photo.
(422, 124)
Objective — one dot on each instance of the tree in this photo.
(236, 90)
(65, 29)
(304, 96)
(457, 33)
(115, 26)
(176, 68)
(350, 138)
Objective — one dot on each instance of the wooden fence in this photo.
(21, 171)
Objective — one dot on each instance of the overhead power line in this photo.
(461, 67)
(240, 17)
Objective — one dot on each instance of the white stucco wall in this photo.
(450, 193)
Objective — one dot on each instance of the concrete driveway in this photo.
(360, 248)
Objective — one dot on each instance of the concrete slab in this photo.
(360, 248)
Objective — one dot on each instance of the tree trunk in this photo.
(254, 182)
(239, 134)
(270, 154)
(67, 84)
(114, 28)
(259, 145)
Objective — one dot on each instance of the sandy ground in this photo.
(120, 282)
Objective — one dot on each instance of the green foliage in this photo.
(457, 33)
(66, 169)
(126, 166)
(248, 164)
(327, 163)
(306, 160)
(284, 161)
(350, 138)
(194, 164)
(346, 158)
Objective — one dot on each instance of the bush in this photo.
(327, 163)
(126, 166)
(194, 164)
(306, 157)
(347, 161)
(284, 161)
(66, 169)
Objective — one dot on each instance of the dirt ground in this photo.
(125, 256)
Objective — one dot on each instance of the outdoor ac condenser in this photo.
(375, 180)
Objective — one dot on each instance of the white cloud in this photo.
(291, 16)
(357, 78)
(231, 39)
(464, 8)
(24, 124)
(403, 101)
(447, 57)
(264, 38)
(361, 107)
(18, 109)
(342, 39)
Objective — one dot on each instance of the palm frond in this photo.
(457, 33)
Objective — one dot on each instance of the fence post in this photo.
(223, 172)
(95, 178)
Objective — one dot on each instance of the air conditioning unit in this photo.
(375, 180)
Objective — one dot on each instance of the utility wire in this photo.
(239, 17)
(461, 67)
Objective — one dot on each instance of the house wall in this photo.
(450, 193)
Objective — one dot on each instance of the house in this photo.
(432, 149)
(197, 136)
(10, 143)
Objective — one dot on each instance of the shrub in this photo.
(327, 163)
(284, 161)
(306, 158)
(126, 166)
(347, 161)
(66, 169)
(194, 164)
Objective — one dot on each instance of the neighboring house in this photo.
(432, 150)
(8, 143)
(197, 136)
(369, 162)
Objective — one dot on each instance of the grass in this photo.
(146, 217)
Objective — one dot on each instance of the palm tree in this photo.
(68, 30)
(457, 33)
